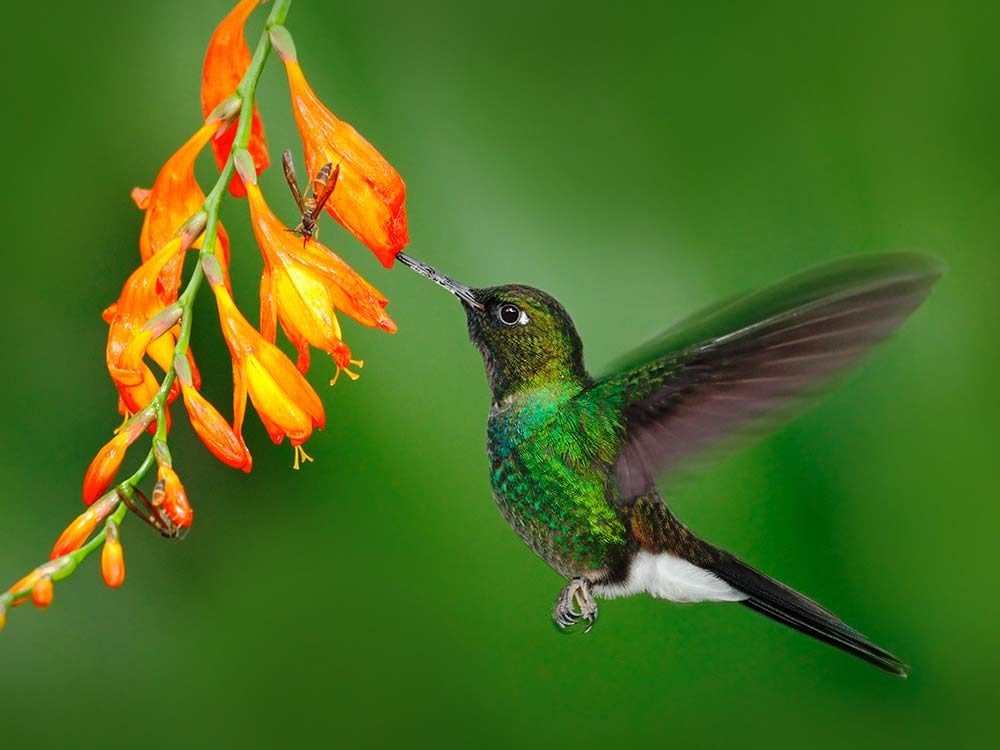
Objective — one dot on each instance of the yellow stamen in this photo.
(347, 372)
(301, 457)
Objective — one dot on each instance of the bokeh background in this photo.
(638, 160)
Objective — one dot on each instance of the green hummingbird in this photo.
(574, 459)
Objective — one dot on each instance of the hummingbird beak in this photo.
(461, 291)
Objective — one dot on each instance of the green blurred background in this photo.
(637, 160)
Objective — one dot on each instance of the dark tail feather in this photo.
(782, 604)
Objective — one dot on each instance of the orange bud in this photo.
(41, 594)
(105, 464)
(104, 467)
(112, 558)
(3, 618)
(170, 494)
(214, 431)
(83, 526)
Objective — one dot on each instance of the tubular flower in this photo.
(173, 199)
(112, 557)
(128, 335)
(302, 286)
(105, 464)
(170, 495)
(226, 61)
(80, 530)
(225, 443)
(286, 403)
(371, 200)
(139, 324)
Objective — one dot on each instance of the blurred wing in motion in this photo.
(741, 365)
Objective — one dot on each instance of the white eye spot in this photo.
(512, 315)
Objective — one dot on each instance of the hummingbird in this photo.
(574, 459)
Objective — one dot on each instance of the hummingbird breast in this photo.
(550, 478)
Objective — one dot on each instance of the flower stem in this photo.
(247, 93)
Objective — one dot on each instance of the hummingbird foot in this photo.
(575, 604)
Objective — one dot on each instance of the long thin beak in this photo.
(459, 290)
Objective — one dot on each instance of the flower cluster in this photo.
(303, 288)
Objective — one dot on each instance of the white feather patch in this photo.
(667, 576)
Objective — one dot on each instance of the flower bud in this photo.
(83, 526)
(169, 493)
(104, 467)
(41, 594)
(112, 557)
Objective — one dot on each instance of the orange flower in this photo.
(304, 284)
(170, 495)
(128, 335)
(105, 464)
(41, 594)
(371, 200)
(112, 557)
(286, 403)
(80, 530)
(226, 62)
(173, 199)
(221, 439)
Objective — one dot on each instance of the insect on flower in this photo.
(310, 207)
(303, 286)
(153, 514)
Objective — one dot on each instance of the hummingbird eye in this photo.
(512, 315)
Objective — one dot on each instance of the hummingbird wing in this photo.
(743, 364)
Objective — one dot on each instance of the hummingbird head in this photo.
(526, 337)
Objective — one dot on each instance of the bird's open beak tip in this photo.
(464, 293)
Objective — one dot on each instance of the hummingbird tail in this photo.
(784, 605)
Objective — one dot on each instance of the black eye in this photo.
(510, 315)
